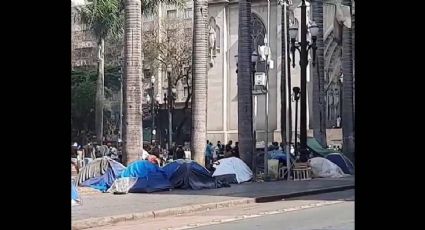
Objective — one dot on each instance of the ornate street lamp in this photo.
(303, 47)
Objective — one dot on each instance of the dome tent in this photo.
(188, 174)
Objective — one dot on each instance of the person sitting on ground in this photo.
(235, 150)
(228, 149)
(112, 151)
(180, 152)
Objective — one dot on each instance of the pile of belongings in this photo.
(188, 174)
(232, 170)
(100, 173)
(322, 167)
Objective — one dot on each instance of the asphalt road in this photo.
(333, 217)
(329, 211)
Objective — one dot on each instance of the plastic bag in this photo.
(122, 185)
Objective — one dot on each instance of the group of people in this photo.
(213, 153)
(154, 152)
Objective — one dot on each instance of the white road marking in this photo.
(260, 214)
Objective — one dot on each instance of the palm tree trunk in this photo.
(100, 92)
(245, 129)
(319, 106)
(283, 65)
(347, 91)
(289, 85)
(132, 90)
(199, 81)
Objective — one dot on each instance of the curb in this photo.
(303, 193)
(102, 221)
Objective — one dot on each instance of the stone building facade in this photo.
(222, 123)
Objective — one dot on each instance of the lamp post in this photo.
(152, 108)
(170, 105)
(170, 98)
(296, 95)
(303, 47)
(265, 52)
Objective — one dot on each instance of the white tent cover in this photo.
(233, 165)
(323, 167)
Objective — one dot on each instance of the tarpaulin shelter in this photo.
(75, 196)
(150, 177)
(100, 173)
(342, 161)
(322, 167)
(318, 151)
(188, 174)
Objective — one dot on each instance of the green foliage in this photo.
(104, 17)
(113, 78)
(83, 93)
(149, 6)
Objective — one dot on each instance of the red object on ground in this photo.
(153, 159)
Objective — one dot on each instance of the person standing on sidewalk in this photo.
(208, 154)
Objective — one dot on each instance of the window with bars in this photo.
(171, 13)
(188, 13)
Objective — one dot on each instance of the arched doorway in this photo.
(333, 84)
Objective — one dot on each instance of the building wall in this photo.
(222, 113)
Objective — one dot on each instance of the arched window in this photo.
(258, 32)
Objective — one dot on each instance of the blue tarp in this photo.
(277, 155)
(105, 181)
(342, 161)
(150, 176)
(74, 193)
(187, 174)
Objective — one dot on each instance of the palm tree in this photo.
(132, 80)
(283, 115)
(245, 129)
(199, 80)
(347, 91)
(319, 106)
(104, 19)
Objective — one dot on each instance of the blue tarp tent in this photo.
(74, 193)
(104, 181)
(188, 174)
(150, 177)
(342, 161)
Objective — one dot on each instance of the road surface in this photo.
(330, 211)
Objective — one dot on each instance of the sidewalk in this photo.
(106, 204)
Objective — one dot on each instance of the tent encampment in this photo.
(342, 161)
(150, 177)
(322, 167)
(188, 174)
(100, 173)
(317, 149)
(233, 167)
